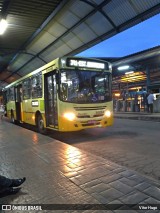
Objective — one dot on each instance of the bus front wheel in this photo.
(40, 125)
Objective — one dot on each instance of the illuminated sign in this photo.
(35, 103)
(85, 63)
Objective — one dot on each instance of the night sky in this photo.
(138, 38)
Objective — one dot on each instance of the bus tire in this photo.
(40, 125)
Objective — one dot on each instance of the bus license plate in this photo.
(91, 122)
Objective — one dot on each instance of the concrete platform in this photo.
(58, 173)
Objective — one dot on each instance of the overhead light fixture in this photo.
(3, 26)
(130, 72)
(117, 94)
(135, 88)
(126, 67)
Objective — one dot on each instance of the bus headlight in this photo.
(107, 113)
(69, 116)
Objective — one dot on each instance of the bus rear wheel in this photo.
(40, 125)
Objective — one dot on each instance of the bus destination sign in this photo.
(85, 63)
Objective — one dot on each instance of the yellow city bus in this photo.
(67, 94)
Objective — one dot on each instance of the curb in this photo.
(139, 118)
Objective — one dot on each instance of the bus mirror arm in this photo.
(58, 79)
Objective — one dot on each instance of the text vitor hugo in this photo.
(148, 207)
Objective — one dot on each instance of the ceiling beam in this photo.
(40, 29)
(102, 12)
(64, 34)
(5, 7)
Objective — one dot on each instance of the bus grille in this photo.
(88, 116)
(89, 108)
(83, 116)
(91, 124)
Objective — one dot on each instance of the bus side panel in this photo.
(30, 108)
(27, 112)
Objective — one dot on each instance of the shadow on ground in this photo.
(89, 135)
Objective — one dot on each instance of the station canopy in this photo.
(39, 31)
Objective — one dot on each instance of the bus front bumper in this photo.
(75, 125)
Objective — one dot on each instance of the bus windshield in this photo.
(85, 86)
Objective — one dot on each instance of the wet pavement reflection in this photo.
(58, 173)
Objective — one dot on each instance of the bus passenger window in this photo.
(36, 84)
(26, 89)
(10, 94)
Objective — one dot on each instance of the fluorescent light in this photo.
(101, 79)
(117, 94)
(126, 67)
(130, 72)
(3, 26)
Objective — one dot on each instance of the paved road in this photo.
(131, 143)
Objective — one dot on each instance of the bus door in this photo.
(18, 99)
(50, 95)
